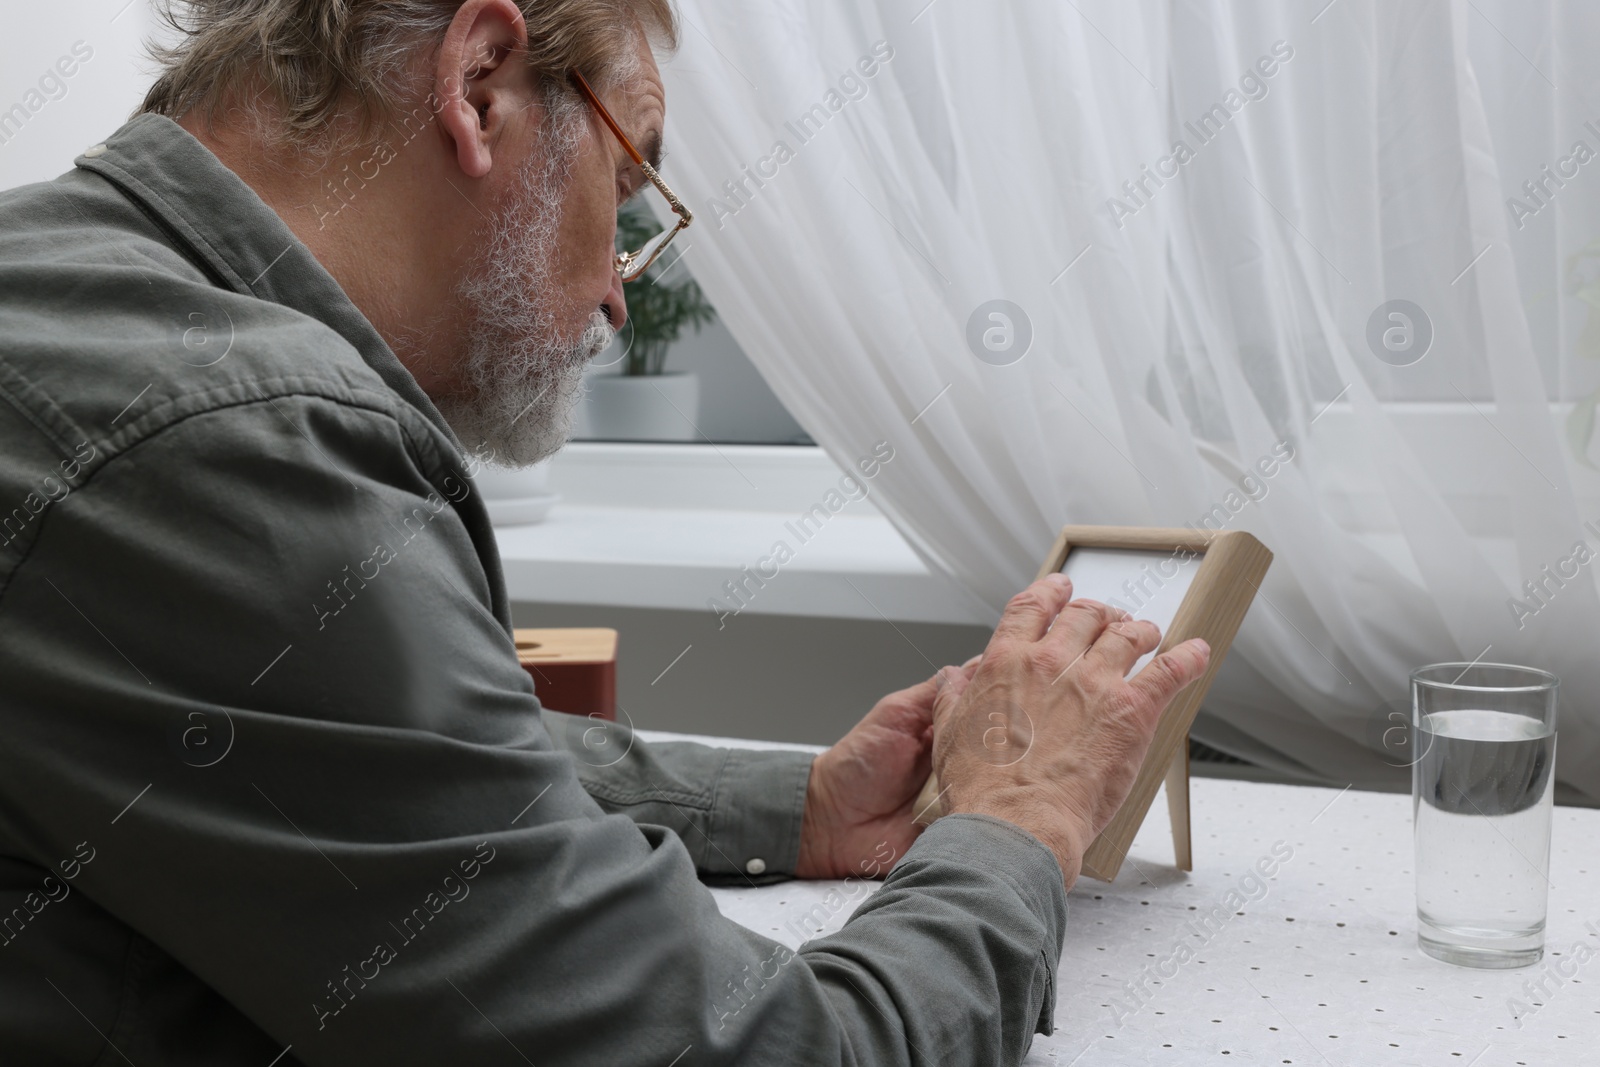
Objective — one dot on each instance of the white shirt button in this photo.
(756, 866)
(95, 150)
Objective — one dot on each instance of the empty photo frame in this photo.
(1190, 583)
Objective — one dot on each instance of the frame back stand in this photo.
(1178, 810)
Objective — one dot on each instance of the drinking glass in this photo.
(1482, 788)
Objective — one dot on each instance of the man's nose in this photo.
(615, 305)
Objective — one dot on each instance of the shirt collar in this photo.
(239, 239)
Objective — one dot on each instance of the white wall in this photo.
(60, 116)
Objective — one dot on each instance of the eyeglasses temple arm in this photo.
(600, 108)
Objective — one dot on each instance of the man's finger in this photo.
(969, 668)
(1079, 626)
(1169, 672)
(1120, 645)
(1030, 612)
(951, 682)
(911, 709)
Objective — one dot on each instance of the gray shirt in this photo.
(270, 775)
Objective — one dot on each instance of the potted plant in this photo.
(643, 401)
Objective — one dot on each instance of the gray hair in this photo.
(336, 69)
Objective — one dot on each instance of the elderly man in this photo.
(273, 787)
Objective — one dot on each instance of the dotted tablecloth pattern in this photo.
(1315, 964)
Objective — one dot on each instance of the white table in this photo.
(1322, 968)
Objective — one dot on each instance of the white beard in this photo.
(522, 374)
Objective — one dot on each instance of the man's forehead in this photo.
(642, 108)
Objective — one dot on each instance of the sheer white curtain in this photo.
(1199, 211)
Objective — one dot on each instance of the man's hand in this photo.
(858, 810)
(1047, 732)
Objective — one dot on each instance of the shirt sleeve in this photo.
(250, 661)
(737, 811)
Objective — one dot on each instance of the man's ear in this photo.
(477, 82)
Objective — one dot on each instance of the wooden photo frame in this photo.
(1191, 583)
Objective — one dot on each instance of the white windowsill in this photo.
(665, 526)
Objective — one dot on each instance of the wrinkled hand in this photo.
(860, 801)
(1049, 732)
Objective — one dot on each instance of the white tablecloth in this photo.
(1319, 965)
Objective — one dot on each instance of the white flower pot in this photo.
(658, 407)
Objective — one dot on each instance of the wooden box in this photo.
(573, 670)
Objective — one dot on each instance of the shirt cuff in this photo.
(1031, 870)
(756, 817)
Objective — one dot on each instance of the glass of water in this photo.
(1482, 787)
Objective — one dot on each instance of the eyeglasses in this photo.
(632, 265)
